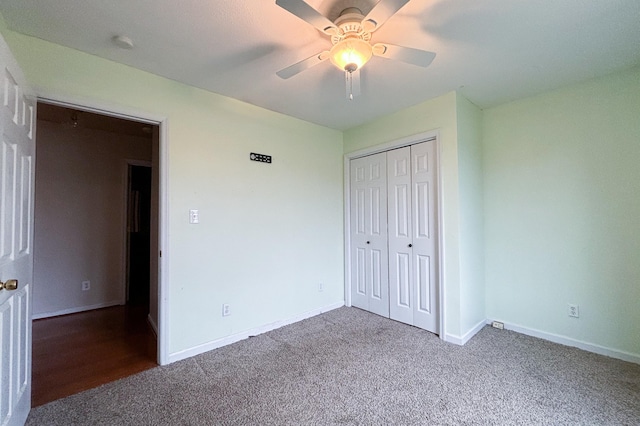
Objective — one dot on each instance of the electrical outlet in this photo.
(497, 324)
(226, 310)
(320, 286)
(574, 311)
(86, 285)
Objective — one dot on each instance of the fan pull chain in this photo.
(349, 81)
(350, 86)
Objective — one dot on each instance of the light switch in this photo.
(194, 216)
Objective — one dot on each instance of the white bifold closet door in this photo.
(411, 179)
(369, 255)
(394, 235)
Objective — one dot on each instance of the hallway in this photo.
(76, 352)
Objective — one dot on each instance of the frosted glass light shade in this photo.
(350, 54)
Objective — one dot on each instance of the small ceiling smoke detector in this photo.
(123, 41)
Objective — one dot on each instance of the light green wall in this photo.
(267, 234)
(439, 114)
(562, 209)
(471, 214)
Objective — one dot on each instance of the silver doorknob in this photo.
(9, 285)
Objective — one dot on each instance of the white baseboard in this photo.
(568, 341)
(76, 310)
(153, 325)
(224, 341)
(458, 340)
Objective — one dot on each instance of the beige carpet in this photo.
(349, 367)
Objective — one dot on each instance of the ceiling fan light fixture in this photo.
(350, 54)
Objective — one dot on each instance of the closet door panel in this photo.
(358, 253)
(423, 283)
(376, 275)
(359, 277)
(369, 252)
(424, 184)
(401, 293)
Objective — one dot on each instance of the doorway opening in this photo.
(96, 246)
(138, 248)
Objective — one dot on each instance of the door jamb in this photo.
(120, 111)
(387, 146)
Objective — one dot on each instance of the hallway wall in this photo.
(80, 216)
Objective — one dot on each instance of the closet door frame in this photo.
(399, 143)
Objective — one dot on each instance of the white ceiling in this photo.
(492, 51)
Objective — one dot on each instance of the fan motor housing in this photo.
(350, 24)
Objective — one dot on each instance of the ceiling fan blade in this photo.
(418, 57)
(308, 14)
(296, 68)
(382, 11)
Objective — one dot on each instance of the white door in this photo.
(412, 236)
(17, 155)
(425, 238)
(401, 276)
(369, 253)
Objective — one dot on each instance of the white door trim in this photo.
(398, 143)
(120, 111)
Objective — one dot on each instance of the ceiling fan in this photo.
(350, 36)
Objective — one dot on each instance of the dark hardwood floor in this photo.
(76, 352)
